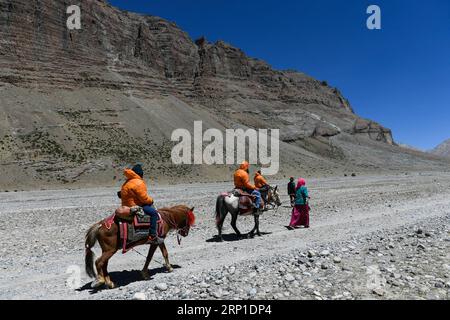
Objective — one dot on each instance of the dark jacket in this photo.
(291, 188)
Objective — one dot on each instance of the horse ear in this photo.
(192, 209)
(276, 188)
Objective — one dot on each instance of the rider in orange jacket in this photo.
(260, 181)
(262, 185)
(134, 193)
(242, 181)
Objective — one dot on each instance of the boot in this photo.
(153, 239)
(256, 210)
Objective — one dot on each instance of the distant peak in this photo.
(443, 149)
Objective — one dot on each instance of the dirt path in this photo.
(44, 235)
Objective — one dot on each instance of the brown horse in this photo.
(179, 218)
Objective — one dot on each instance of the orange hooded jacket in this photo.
(134, 191)
(242, 179)
(259, 180)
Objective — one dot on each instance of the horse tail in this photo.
(219, 205)
(91, 239)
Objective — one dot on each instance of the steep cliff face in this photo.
(222, 61)
(39, 50)
(77, 105)
(120, 50)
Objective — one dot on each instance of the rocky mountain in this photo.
(76, 106)
(443, 149)
(409, 147)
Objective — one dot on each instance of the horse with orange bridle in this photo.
(180, 218)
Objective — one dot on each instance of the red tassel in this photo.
(191, 218)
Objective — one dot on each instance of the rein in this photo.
(157, 261)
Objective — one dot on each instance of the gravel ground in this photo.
(371, 237)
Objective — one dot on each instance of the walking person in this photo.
(291, 191)
(300, 212)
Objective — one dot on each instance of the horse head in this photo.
(189, 221)
(180, 218)
(276, 196)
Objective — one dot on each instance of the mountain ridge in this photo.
(79, 105)
(442, 149)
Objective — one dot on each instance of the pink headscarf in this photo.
(300, 183)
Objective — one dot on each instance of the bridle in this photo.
(274, 197)
(172, 223)
(273, 192)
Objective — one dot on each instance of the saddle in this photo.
(134, 226)
(127, 213)
(246, 201)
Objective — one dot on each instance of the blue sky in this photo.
(398, 76)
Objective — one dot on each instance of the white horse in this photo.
(229, 203)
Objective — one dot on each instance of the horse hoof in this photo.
(170, 270)
(111, 285)
(97, 284)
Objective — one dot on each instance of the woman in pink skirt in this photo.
(300, 212)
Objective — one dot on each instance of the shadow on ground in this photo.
(124, 278)
(234, 237)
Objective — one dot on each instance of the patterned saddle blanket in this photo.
(134, 232)
(131, 234)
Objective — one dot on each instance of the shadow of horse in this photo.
(234, 237)
(124, 278)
